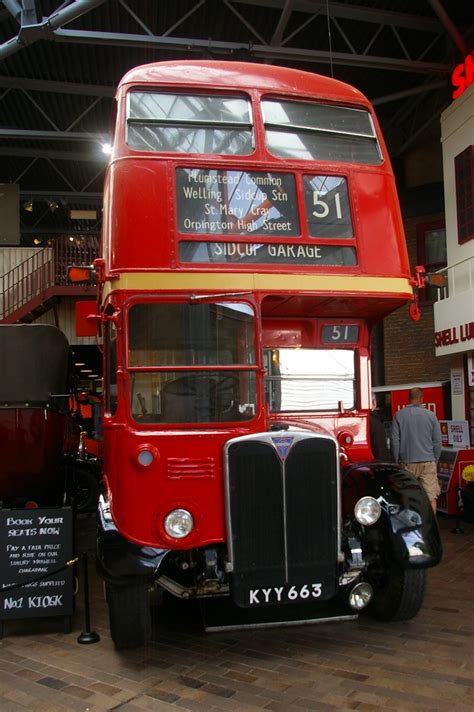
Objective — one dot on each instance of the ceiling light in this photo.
(36, 241)
(86, 370)
(53, 205)
(80, 364)
(107, 149)
(28, 206)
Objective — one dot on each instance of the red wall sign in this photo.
(463, 76)
(432, 399)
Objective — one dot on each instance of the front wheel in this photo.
(398, 593)
(129, 614)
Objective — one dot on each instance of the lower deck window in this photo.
(193, 397)
(192, 362)
(307, 380)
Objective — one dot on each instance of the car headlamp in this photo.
(360, 595)
(178, 523)
(367, 511)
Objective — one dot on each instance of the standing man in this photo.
(378, 442)
(416, 443)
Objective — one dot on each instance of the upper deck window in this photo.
(319, 132)
(185, 123)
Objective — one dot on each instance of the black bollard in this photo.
(87, 635)
(457, 528)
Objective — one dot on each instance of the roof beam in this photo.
(254, 51)
(352, 12)
(14, 8)
(52, 135)
(450, 27)
(66, 194)
(56, 87)
(28, 13)
(52, 154)
(423, 88)
(282, 22)
(31, 33)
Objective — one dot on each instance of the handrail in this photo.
(45, 269)
(460, 281)
(452, 265)
(26, 281)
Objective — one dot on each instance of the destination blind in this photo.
(226, 202)
(250, 203)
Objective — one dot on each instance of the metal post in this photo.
(87, 635)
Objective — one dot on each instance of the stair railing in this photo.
(45, 269)
(25, 281)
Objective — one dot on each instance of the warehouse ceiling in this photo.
(60, 64)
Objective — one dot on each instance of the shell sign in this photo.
(468, 473)
(462, 76)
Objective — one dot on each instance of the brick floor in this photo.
(422, 665)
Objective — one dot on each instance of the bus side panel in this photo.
(140, 215)
(379, 229)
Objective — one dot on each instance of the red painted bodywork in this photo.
(140, 236)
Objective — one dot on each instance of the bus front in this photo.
(252, 238)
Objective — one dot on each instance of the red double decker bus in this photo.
(252, 238)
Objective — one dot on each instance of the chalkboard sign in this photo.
(33, 543)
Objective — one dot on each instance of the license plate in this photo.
(284, 594)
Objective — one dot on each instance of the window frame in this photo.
(196, 123)
(313, 130)
(464, 186)
(270, 379)
(254, 368)
(111, 367)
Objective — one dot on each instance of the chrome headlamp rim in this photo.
(367, 511)
(178, 523)
(360, 595)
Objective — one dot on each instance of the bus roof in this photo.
(243, 75)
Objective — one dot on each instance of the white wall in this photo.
(12, 256)
(457, 133)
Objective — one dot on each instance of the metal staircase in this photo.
(31, 288)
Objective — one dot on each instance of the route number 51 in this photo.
(322, 208)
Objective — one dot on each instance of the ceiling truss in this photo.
(353, 34)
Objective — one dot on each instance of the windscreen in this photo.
(180, 345)
(313, 132)
(186, 123)
(305, 380)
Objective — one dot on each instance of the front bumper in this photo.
(119, 559)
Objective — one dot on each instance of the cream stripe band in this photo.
(230, 281)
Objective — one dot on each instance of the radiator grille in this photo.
(282, 515)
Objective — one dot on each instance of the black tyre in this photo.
(129, 614)
(86, 489)
(398, 593)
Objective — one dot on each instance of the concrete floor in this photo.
(426, 664)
